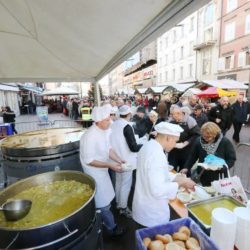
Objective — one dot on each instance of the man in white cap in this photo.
(155, 185)
(95, 155)
(124, 142)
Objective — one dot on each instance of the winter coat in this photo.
(240, 112)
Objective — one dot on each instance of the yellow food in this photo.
(204, 211)
(162, 238)
(180, 236)
(156, 245)
(169, 237)
(193, 244)
(173, 246)
(185, 230)
(146, 242)
(50, 202)
(180, 243)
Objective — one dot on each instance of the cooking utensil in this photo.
(16, 209)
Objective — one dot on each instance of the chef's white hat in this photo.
(168, 129)
(124, 110)
(101, 113)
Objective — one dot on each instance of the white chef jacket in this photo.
(153, 187)
(94, 145)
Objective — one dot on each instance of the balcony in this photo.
(203, 45)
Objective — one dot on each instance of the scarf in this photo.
(210, 148)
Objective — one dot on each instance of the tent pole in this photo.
(97, 93)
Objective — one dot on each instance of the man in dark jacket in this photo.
(199, 115)
(222, 114)
(240, 111)
(9, 117)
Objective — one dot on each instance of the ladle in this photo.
(16, 209)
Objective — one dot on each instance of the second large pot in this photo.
(54, 234)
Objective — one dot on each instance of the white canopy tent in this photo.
(226, 84)
(79, 40)
(60, 91)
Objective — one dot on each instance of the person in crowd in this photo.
(113, 114)
(9, 117)
(162, 111)
(154, 183)
(75, 112)
(69, 108)
(142, 123)
(151, 104)
(222, 114)
(156, 100)
(153, 117)
(145, 103)
(181, 101)
(212, 142)
(95, 155)
(240, 112)
(199, 115)
(119, 102)
(124, 142)
(192, 101)
(178, 156)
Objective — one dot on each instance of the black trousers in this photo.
(237, 129)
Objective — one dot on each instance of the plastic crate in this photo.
(6, 129)
(171, 227)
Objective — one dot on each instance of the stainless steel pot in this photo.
(52, 235)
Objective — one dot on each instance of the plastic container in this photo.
(172, 227)
(6, 129)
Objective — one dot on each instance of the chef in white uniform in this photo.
(95, 155)
(155, 185)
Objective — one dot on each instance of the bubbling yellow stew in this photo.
(50, 202)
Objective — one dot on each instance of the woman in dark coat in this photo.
(9, 117)
(213, 142)
(177, 157)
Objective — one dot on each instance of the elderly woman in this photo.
(178, 156)
(213, 142)
(153, 117)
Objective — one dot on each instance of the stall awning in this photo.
(60, 91)
(180, 87)
(156, 90)
(191, 91)
(141, 91)
(213, 92)
(226, 84)
(7, 87)
(32, 89)
(79, 41)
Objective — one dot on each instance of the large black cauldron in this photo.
(59, 233)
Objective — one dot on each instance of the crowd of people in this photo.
(8, 116)
(124, 138)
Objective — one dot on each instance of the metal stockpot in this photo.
(57, 233)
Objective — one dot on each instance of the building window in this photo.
(227, 62)
(173, 55)
(247, 29)
(181, 72)
(160, 62)
(160, 77)
(191, 24)
(229, 32)
(191, 70)
(191, 47)
(209, 14)
(182, 52)
(182, 30)
(166, 42)
(166, 75)
(174, 36)
(231, 5)
(166, 59)
(208, 34)
(206, 62)
(173, 76)
(247, 58)
(160, 45)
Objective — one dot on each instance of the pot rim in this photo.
(56, 221)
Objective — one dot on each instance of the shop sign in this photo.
(149, 72)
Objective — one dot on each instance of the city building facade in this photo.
(176, 59)
(234, 49)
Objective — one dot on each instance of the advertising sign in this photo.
(42, 113)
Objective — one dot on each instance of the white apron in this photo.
(94, 145)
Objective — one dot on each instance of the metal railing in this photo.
(22, 127)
